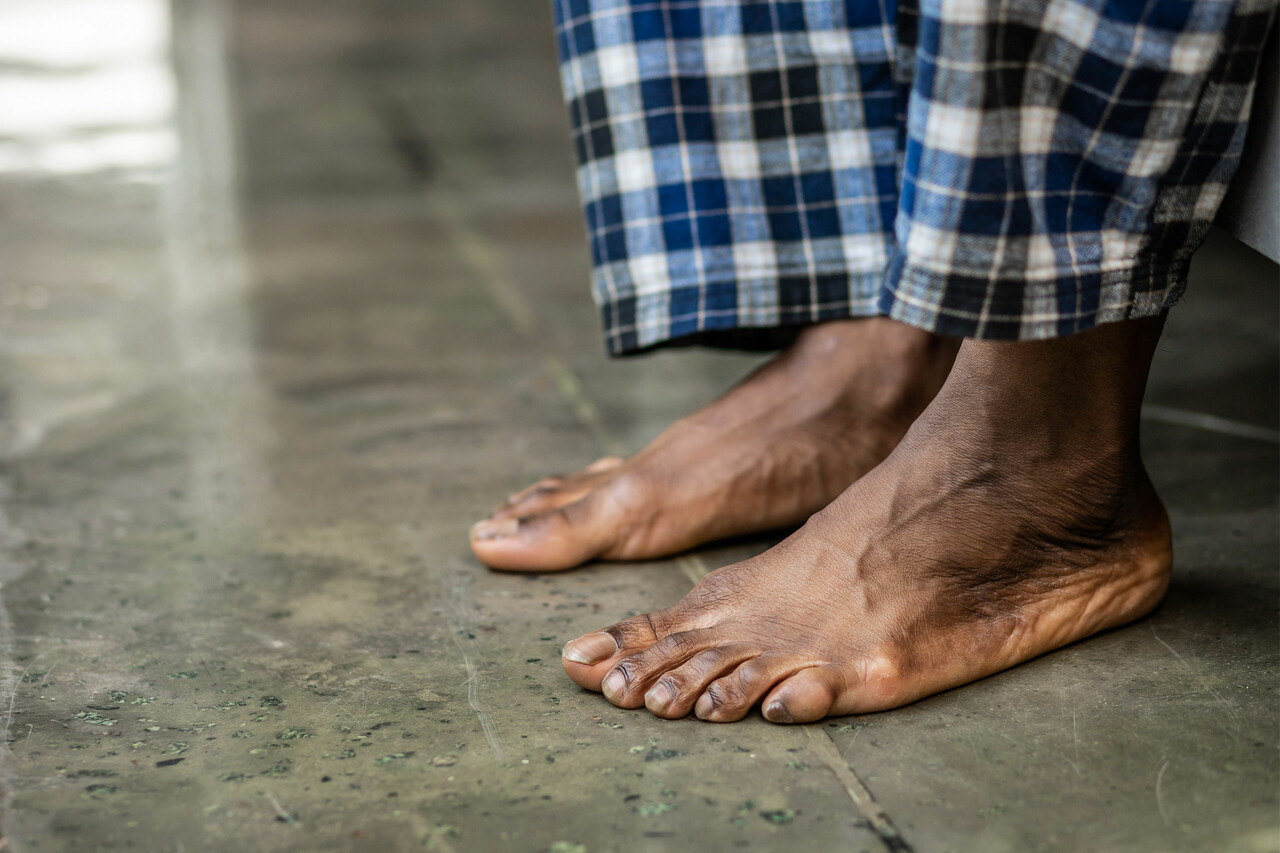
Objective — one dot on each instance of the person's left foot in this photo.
(1014, 518)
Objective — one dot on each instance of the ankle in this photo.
(899, 368)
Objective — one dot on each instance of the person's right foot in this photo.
(777, 448)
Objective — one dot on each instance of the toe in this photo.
(730, 698)
(542, 501)
(809, 695)
(548, 494)
(604, 465)
(628, 682)
(590, 657)
(556, 490)
(674, 693)
(550, 541)
(543, 486)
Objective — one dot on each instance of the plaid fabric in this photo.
(1016, 169)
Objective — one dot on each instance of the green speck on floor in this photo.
(143, 700)
(779, 816)
(293, 734)
(566, 847)
(187, 674)
(97, 774)
(656, 754)
(992, 811)
(610, 724)
(850, 728)
(636, 750)
(117, 695)
(276, 770)
(241, 734)
(269, 702)
(346, 753)
(97, 790)
(178, 747)
(654, 809)
(138, 744)
(797, 765)
(395, 756)
(231, 777)
(95, 719)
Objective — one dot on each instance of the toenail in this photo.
(659, 697)
(705, 705)
(776, 712)
(495, 528)
(590, 649)
(614, 683)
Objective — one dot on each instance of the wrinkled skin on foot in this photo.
(1014, 518)
(777, 448)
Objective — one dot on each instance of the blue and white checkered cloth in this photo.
(1010, 169)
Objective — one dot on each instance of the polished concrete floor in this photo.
(281, 320)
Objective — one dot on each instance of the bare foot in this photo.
(777, 448)
(1015, 517)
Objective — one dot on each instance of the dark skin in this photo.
(777, 448)
(1014, 517)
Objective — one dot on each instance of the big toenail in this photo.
(498, 528)
(590, 649)
(614, 683)
(659, 697)
(705, 705)
(776, 712)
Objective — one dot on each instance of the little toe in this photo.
(674, 693)
(732, 696)
(805, 697)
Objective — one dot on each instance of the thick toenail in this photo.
(704, 706)
(614, 683)
(776, 712)
(498, 528)
(659, 697)
(590, 649)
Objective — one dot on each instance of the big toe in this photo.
(590, 657)
(548, 541)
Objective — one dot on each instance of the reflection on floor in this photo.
(256, 381)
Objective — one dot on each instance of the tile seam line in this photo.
(487, 266)
(1208, 423)
(486, 263)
